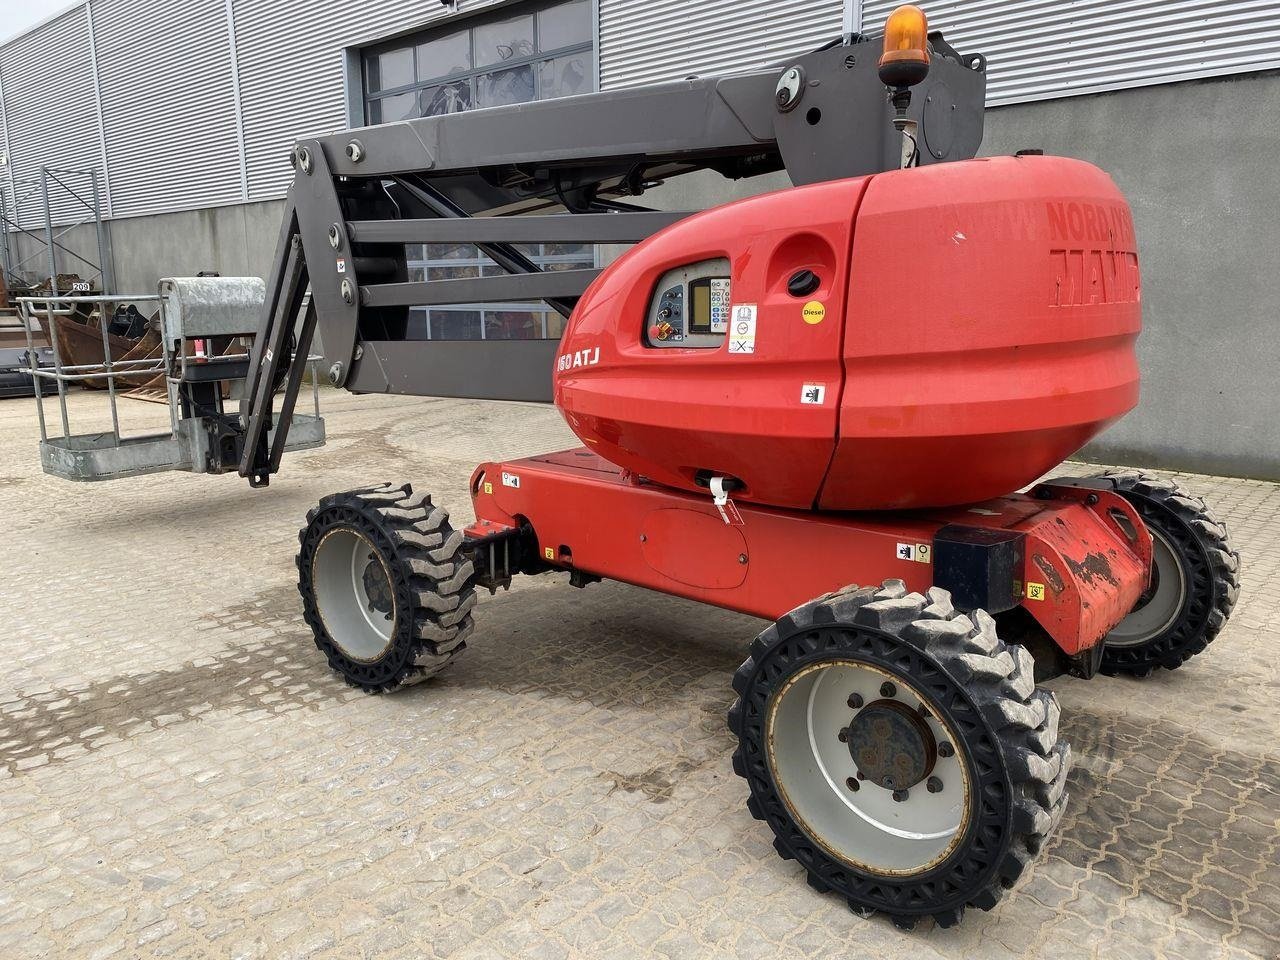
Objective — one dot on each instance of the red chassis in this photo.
(1084, 556)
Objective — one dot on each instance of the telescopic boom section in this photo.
(551, 171)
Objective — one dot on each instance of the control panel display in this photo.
(690, 307)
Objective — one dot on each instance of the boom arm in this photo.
(359, 197)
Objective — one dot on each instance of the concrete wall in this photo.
(234, 241)
(1195, 159)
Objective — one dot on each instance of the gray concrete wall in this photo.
(1196, 161)
(234, 241)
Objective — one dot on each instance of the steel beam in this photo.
(544, 285)
(575, 228)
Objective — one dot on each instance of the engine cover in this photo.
(919, 338)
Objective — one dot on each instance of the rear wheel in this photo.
(1195, 580)
(899, 750)
(385, 590)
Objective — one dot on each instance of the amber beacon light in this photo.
(905, 61)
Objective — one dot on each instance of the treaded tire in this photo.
(430, 580)
(985, 690)
(1204, 553)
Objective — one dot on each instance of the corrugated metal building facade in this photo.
(187, 104)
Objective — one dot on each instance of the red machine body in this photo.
(911, 345)
(972, 325)
(1085, 559)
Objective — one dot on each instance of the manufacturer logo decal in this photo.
(581, 358)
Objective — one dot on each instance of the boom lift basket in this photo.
(205, 327)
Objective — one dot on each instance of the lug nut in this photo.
(933, 785)
(888, 690)
(945, 749)
(853, 784)
(855, 701)
(843, 735)
(899, 796)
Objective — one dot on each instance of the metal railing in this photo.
(172, 363)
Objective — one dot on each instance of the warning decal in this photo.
(511, 480)
(742, 328)
(1035, 591)
(915, 552)
(814, 394)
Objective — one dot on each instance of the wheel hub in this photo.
(377, 587)
(1158, 608)
(891, 745)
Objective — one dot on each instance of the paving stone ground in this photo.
(180, 775)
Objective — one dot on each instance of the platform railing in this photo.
(171, 450)
(45, 309)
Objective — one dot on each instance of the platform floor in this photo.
(180, 775)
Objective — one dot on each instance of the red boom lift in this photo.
(839, 384)
(836, 384)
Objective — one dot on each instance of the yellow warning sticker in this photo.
(1035, 591)
(815, 312)
(488, 488)
(549, 553)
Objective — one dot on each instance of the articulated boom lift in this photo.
(839, 383)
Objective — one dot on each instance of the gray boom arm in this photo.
(359, 197)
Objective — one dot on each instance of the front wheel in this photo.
(899, 751)
(1195, 579)
(385, 587)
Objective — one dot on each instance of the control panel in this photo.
(690, 306)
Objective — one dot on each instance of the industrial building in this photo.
(170, 121)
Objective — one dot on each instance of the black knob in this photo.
(803, 283)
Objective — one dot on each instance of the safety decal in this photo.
(742, 329)
(814, 312)
(1035, 591)
(916, 552)
(511, 480)
(488, 488)
(813, 394)
(549, 553)
(342, 265)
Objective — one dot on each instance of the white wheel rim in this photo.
(1161, 610)
(339, 567)
(865, 828)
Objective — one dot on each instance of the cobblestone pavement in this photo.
(181, 776)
